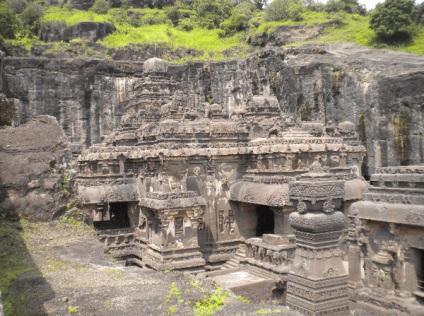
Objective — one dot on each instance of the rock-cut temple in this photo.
(199, 186)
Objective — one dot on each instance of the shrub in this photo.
(349, 6)
(236, 23)
(393, 20)
(17, 5)
(211, 13)
(8, 21)
(120, 16)
(186, 25)
(31, 17)
(173, 13)
(153, 17)
(53, 26)
(246, 8)
(420, 13)
(101, 6)
(283, 10)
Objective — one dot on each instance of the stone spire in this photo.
(317, 283)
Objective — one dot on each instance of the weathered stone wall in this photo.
(379, 91)
(35, 181)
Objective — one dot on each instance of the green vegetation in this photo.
(243, 299)
(72, 309)
(15, 262)
(211, 302)
(264, 311)
(215, 29)
(173, 291)
(279, 10)
(393, 20)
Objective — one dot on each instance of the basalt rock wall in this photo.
(381, 92)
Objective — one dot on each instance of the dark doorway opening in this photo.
(265, 220)
(419, 270)
(118, 217)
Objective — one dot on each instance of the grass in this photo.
(263, 311)
(72, 309)
(352, 28)
(74, 16)
(243, 299)
(203, 40)
(355, 29)
(15, 261)
(211, 302)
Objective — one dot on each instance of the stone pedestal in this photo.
(318, 282)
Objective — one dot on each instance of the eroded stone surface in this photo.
(375, 90)
(386, 244)
(35, 177)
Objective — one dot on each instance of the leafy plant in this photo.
(31, 17)
(72, 309)
(10, 24)
(393, 20)
(211, 13)
(279, 10)
(210, 303)
(101, 6)
(243, 299)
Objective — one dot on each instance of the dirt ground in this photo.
(60, 268)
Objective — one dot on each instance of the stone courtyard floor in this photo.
(60, 268)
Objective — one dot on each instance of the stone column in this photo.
(318, 282)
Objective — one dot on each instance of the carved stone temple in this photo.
(198, 186)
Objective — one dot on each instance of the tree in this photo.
(420, 13)
(101, 6)
(279, 10)
(349, 6)
(8, 21)
(31, 17)
(393, 20)
(211, 13)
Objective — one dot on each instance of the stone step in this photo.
(259, 272)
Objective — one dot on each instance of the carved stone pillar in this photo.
(318, 283)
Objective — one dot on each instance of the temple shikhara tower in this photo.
(187, 183)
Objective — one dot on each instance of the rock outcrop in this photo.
(379, 91)
(35, 181)
(88, 31)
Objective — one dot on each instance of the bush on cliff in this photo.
(101, 6)
(31, 17)
(393, 20)
(211, 13)
(279, 10)
(8, 21)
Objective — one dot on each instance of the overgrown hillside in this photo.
(182, 30)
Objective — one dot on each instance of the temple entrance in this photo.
(119, 215)
(119, 218)
(419, 270)
(265, 220)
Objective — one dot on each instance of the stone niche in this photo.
(168, 227)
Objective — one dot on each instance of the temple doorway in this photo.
(265, 220)
(119, 215)
(419, 270)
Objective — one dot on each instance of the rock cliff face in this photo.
(34, 170)
(379, 91)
